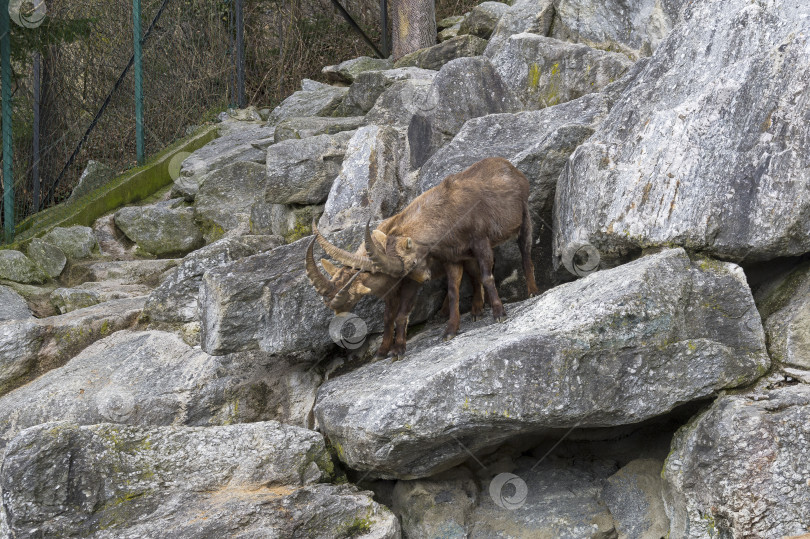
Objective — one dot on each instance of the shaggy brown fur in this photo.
(455, 226)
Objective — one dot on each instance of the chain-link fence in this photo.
(189, 75)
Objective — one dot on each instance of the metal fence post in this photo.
(240, 54)
(35, 149)
(8, 161)
(136, 27)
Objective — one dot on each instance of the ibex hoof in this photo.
(476, 317)
(501, 319)
(447, 336)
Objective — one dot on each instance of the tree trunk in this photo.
(414, 26)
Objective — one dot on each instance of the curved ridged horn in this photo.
(392, 265)
(343, 294)
(322, 285)
(344, 257)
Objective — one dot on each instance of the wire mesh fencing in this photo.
(84, 93)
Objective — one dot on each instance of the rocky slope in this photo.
(172, 372)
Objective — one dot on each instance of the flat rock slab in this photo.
(436, 56)
(256, 479)
(742, 468)
(298, 128)
(31, 346)
(615, 348)
(706, 147)
(154, 378)
(319, 101)
(233, 145)
(544, 72)
(349, 70)
(149, 272)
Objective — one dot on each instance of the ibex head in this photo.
(369, 270)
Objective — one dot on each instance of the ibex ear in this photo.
(380, 237)
(408, 243)
(363, 289)
(329, 267)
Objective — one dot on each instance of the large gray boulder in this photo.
(785, 308)
(76, 241)
(436, 56)
(533, 16)
(15, 266)
(297, 128)
(154, 378)
(521, 137)
(146, 272)
(223, 201)
(464, 88)
(160, 230)
(350, 70)
(234, 144)
(635, 27)
(742, 468)
(618, 347)
(538, 143)
(49, 258)
(150, 481)
(321, 101)
(705, 146)
(31, 346)
(368, 185)
(543, 71)
(266, 302)
(398, 104)
(12, 305)
(483, 18)
(370, 85)
(302, 171)
(175, 300)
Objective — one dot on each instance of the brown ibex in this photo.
(453, 227)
